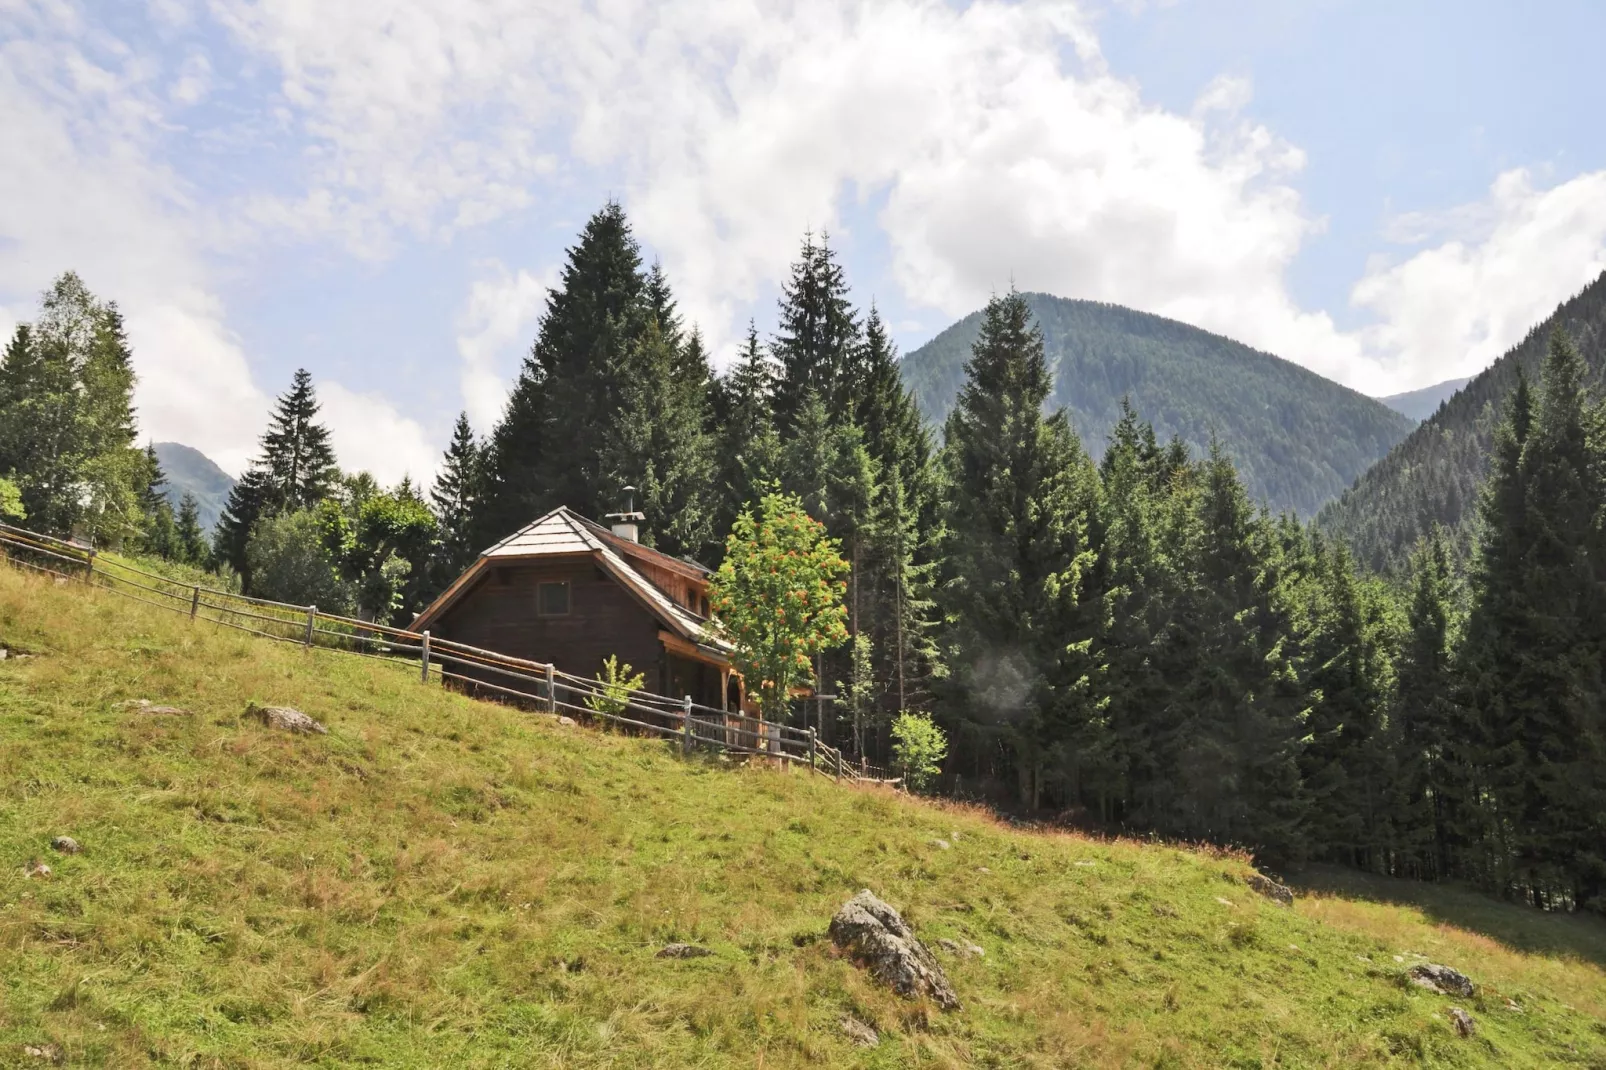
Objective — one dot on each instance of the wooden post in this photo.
(89, 566)
(551, 690)
(813, 745)
(423, 658)
(686, 724)
(839, 767)
(312, 616)
(195, 601)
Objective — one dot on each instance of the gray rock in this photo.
(1441, 979)
(876, 934)
(1465, 1024)
(860, 1033)
(959, 947)
(50, 1053)
(66, 845)
(941, 845)
(684, 951)
(566, 720)
(1269, 888)
(285, 719)
(145, 705)
(36, 868)
(4, 653)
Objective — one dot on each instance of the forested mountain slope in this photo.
(444, 882)
(1424, 402)
(1433, 475)
(1298, 439)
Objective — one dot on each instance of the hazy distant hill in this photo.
(1422, 403)
(1433, 476)
(188, 469)
(1298, 439)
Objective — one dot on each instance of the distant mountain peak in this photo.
(1423, 402)
(1298, 439)
(188, 469)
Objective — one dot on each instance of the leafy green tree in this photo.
(189, 540)
(67, 419)
(377, 540)
(11, 502)
(288, 563)
(858, 693)
(616, 684)
(778, 597)
(918, 749)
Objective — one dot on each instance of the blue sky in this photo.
(1390, 194)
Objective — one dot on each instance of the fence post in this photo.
(551, 690)
(839, 767)
(195, 601)
(424, 658)
(686, 724)
(312, 616)
(813, 749)
(89, 566)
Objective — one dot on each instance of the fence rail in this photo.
(480, 672)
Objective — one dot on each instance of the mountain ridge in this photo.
(1433, 475)
(1424, 401)
(1298, 439)
(188, 469)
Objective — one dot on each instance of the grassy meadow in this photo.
(441, 881)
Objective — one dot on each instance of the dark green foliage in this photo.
(1432, 477)
(67, 420)
(747, 445)
(1298, 439)
(613, 394)
(189, 539)
(456, 497)
(294, 472)
(1019, 493)
(159, 534)
(818, 345)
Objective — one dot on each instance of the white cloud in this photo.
(368, 434)
(497, 318)
(1452, 309)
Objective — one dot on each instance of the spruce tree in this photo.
(1017, 545)
(455, 497)
(251, 499)
(159, 534)
(1433, 730)
(189, 540)
(747, 447)
(552, 444)
(818, 346)
(296, 453)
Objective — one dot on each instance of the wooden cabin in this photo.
(571, 592)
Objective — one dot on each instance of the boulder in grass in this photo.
(1264, 885)
(50, 1053)
(285, 719)
(860, 1033)
(36, 868)
(876, 935)
(145, 705)
(1442, 980)
(684, 951)
(1465, 1024)
(66, 845)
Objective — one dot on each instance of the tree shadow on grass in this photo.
(1518, 926)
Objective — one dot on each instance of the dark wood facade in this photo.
(508, 602)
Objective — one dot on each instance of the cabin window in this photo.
(552, 599)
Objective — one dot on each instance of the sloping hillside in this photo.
(1424, 402)
(188, 469)
(439, 881)
(1298, 439)
(1433, 476)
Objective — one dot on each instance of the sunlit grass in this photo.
(440, 881)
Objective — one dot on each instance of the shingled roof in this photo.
(564, 532)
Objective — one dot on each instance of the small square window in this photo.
(552, 600)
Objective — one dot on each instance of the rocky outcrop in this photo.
(1441, 979)
(876, 935)
(1264, 885)
(285, 719)
(1465, 1024)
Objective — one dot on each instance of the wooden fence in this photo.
(483, 673)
